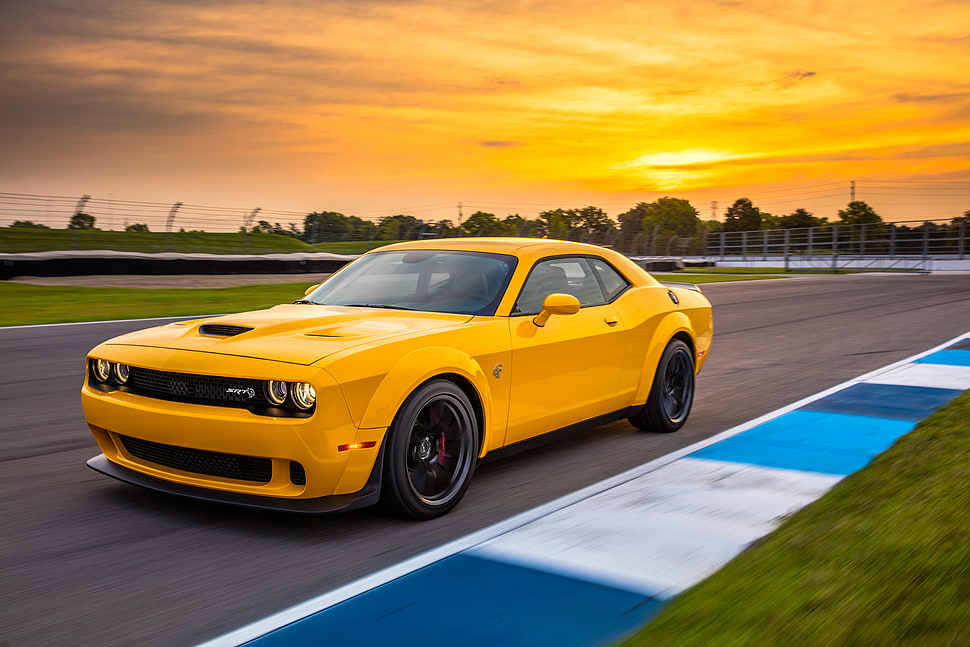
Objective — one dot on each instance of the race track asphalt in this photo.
(87, 560)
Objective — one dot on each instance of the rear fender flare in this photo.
(675, 323)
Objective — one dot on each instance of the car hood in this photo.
(298, 334)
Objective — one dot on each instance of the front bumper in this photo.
(321, 505)
(181, 446)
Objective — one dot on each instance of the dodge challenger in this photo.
(390, 381)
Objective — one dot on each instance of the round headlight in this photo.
(303, 394)
(276, 392)
(102, 369)
(121, 372)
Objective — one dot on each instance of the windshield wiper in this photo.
(375, 305)
(305, 301)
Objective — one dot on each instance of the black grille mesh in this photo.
(199, 389)
(297, 473)
(223, 330)
(199, 461)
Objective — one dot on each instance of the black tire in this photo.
(432, 448)
(672, 393)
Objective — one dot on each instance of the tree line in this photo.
(664, 226)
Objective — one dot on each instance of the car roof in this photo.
(529, 250)
(503, 245)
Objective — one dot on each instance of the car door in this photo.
(568, 370)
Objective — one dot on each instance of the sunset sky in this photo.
(378, 107)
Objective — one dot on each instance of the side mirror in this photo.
(556, 304)
(310, 289)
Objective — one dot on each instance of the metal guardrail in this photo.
(909, 245)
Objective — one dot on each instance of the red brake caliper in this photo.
(441, 450)
(436, 423)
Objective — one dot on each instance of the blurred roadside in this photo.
(170, 280)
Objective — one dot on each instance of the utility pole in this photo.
(713, 209)
(852, 191)
(459, 213)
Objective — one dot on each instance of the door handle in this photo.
(611, 321)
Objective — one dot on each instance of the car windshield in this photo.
(428, 280)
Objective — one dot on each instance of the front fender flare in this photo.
(416, 368)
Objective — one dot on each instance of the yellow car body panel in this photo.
(566, 371)
(364, 363)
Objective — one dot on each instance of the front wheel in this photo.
(672, 393)
(431, 451)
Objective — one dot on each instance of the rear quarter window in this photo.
(612, 281)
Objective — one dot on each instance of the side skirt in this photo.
(558, 434)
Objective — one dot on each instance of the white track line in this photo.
(302, 610)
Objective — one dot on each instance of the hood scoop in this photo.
(222, 330)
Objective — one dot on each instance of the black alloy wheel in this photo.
(432, 450)
(672, 393)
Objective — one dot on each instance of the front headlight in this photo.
(121, 372)
(303, 394)
(101, 369)
(276, 391)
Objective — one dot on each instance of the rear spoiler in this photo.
(685, 286)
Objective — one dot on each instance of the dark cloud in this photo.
(794, 77)
(63, 111)
(932, 98)
(500, 144)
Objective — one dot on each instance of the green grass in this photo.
(352, 246)
(16, 240)
(733, 270)
(780, 270)
(681, 277)
(35, 304)
(32, 304)
(883, 559)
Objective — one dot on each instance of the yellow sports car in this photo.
(391, 380)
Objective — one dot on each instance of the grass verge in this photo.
(738, 270)
(17, 240)
(13, 240)
(681, 277)
(34, 304)
(352, 246)
(882, 559)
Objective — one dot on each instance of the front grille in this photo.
(223, 330)
(199, 461)
(197, 389)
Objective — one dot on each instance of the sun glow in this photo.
(670, 170)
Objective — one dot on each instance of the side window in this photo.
(567, 275)
(613, 283)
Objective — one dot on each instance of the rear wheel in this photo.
(431, 452)
(672, 393)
